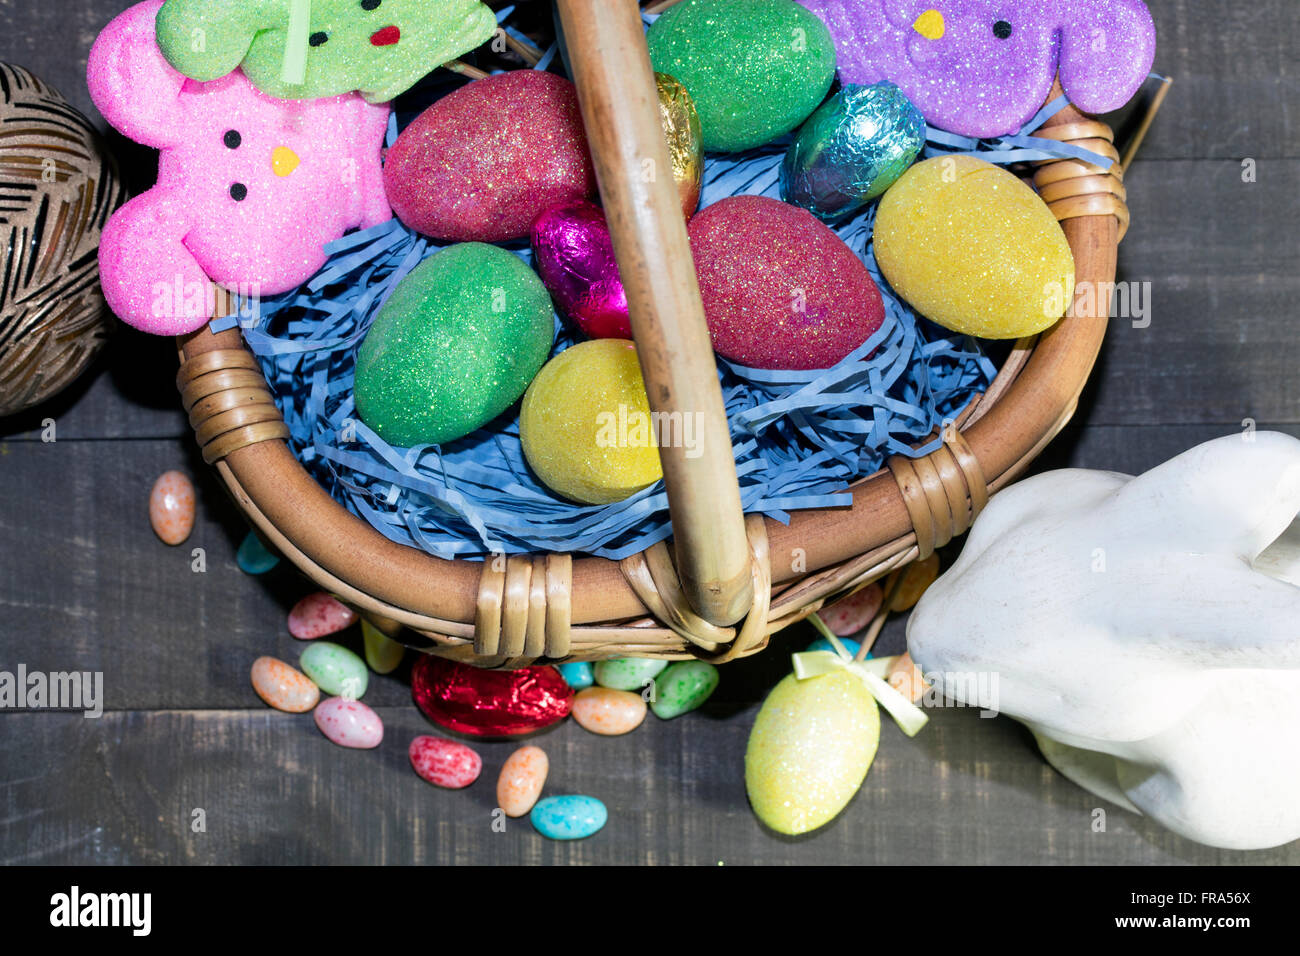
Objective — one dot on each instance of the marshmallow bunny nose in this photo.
(284, 161)
(930, 25)
(386, 37)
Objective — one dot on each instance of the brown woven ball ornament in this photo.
(58, 187)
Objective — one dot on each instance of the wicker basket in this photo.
(726, 581)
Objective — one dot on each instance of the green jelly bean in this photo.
(628, 673)
(682, 687)
(335, 670)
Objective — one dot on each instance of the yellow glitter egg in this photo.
(810, 750)
(974, 249)
(586, 425)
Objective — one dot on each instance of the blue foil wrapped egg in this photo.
(851, 150)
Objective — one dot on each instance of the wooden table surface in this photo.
(84, 584)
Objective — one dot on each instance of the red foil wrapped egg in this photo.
(575, 258)
(485, 703)
(481, 164)
(780, 289)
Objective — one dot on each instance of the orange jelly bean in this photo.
(603, 710)
(283, 687)
(522, 777)
(171, 507)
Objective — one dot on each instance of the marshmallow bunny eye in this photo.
(232, 139)
(318, 39)
(238, 192)
(1003, 30)
(370, 5)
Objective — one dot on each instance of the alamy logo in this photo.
(56, 690)
(73, 909)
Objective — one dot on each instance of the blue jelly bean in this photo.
(578, 674)
(821, 644)
(570, 817)
(253, 556)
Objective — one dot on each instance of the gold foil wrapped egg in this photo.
(586, 426)
(681, 125)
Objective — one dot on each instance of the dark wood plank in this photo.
(275, 791)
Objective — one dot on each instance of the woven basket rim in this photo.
(819, 553)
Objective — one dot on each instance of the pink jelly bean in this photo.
(349, 723)
(445, 763)
(853, 613)
(317, 615)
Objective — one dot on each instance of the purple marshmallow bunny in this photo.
(983, 68)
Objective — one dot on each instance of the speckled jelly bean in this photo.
(578, 674)
(444, 763)
(335, 669)
(570, 817)
(628, 673)
(522, 777)
(851, 614)
(283, 687)
(319, 615)
(916, 580)
(850, 645)
(383, 654)
(606, 711)
(253, 557)
(171, 507)
(682, 687)
(349, 723)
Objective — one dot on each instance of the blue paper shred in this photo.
(800, 438)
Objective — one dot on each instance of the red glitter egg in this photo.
(484, 703)
(482, 163)
(781, 290)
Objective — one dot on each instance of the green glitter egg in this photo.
(455, 345)
(756, 69)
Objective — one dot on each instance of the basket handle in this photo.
(620, 107)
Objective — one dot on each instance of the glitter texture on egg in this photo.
(857, 145)
(482, 163)
(755, 68)
(809, 750)
(454, 346)
(575, 258)
(681, 123)
(974, 249)
(585, 424)
(780, 289)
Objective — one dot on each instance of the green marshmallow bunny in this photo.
(308, 49)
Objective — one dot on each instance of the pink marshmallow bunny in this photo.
(983, 68)
(249, 188)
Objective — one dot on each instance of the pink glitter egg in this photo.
(444, 763)
(780, 289)
(575, 258)
(481, 164)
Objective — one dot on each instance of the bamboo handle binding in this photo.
(620, 108)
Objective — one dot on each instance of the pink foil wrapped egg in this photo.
(481, 164)
(780, 289)
(575, 258)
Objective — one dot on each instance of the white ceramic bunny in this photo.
(1147, 630)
